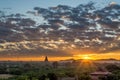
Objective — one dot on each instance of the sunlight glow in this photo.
(86, 57)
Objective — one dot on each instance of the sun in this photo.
(86, 57)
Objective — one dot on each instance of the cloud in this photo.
(113, 49)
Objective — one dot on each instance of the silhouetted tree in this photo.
(112, 67)
(52, 76)
(55, 64)
(43, 77)
(109, 77)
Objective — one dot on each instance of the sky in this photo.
(26, 5)
(23, 5)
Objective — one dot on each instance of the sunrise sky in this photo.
(22, 6)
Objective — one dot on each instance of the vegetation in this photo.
(32, 71)
(115, 73)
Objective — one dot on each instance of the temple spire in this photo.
(46, 59)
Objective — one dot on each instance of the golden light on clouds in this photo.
(76, 55)
(86, 57)
(33, 58)
(98, 56)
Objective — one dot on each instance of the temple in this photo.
(46, 59)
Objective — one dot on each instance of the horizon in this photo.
(51, 59)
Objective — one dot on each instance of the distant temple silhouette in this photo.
(46, 62)
(46, 59)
